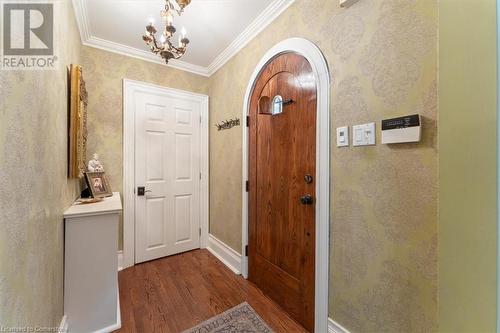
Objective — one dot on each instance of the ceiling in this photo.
(217, 29)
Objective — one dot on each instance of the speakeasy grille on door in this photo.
(273, 107)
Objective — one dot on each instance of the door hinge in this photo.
(246, 250)
(200, 118)
(200, 175)
(199, 230)
(247, 186)
(248, 121)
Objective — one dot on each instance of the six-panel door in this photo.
(167, 163)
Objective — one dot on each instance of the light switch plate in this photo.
(343, 136)
(363, 135)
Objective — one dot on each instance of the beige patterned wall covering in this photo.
(104, 73)
(34, 190)
(383, 62)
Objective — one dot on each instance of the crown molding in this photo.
(82, 20)
(125, 50)
(257, 26)
(269, 14)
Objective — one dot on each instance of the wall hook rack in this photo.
(227, 124)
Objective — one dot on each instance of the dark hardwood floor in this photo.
(178, 292)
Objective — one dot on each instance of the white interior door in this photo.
(167, 165)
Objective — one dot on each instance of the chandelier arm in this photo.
(155, 43)
(172, 47)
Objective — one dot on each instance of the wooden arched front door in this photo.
(282, 185)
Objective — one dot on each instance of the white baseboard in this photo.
(120, 260)
(334, 327)
(224, 253)
(232, 260)
(63, 326)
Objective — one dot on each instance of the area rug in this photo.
(240, 319)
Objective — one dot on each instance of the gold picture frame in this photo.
(98, 184)
(77, 141)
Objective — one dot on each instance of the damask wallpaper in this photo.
(104, 73)
(34, 189)
(383, 227)
(383, 63)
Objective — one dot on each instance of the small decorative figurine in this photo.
(95, 165)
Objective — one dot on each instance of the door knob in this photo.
(306, 199)
(141, 190)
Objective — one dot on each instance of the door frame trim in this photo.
(320, 69)
(129, 86)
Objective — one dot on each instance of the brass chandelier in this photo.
(164, 46)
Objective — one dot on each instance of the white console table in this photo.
(91, 300)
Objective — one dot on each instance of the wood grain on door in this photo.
(282, 167)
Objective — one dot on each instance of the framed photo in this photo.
(77, 118)
(98, 184)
